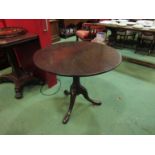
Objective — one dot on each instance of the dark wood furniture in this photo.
(89, 31)
(146, 40)
(125, 35)
(77, 59)
(19, 76)
(84, 32)
(68, 27)
(4, 33)
(55, 33)
(3, 60)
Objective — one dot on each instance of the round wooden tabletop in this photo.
(77, 58)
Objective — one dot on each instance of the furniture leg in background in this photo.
(18, 76)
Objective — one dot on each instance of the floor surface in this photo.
(128, 106)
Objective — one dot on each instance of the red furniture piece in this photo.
(3, 57)
(2, 23)
(84, 33)
(89, 31)
(25, 58)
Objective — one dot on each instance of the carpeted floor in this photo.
(128, 106)
(141, 55)
(127, 94)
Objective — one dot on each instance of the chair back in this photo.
(86, 26)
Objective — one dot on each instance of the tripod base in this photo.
(76, 89)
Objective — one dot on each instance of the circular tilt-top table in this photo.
(77, 59)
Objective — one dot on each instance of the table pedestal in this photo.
(76, 89)
(18, 76)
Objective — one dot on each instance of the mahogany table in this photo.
(77, 59)
(18, 76)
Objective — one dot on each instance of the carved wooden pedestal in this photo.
(18, 76)
(76, 89)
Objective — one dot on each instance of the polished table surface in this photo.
(5, 42)
(77, 59)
